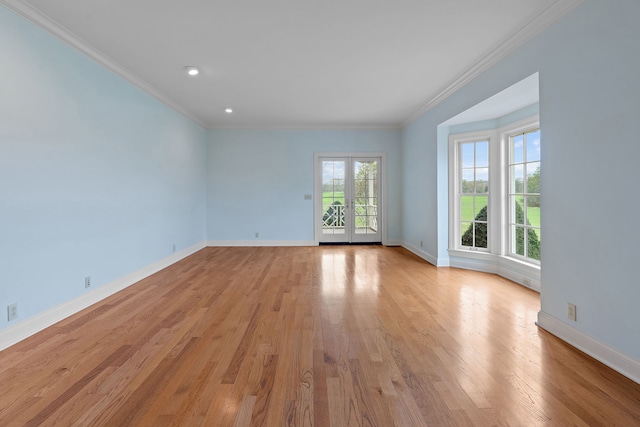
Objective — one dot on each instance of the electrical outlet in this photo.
(571, 312)
(421, 243)
(174, 247)
(87, 282)
(12, 311)
(257, 235)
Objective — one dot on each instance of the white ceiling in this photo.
(296, 63)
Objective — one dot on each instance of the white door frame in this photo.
(317, 188)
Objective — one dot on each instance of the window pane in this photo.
(481, 235)
(533, 146)
(468, 180)
(517, 146)
(480, 208)
(466, 208)
(518, 239)
(533, 177)
(533, 211)
(517, 179)
(482, 180)
(466, 233)
(468, 157)
(512, 209)
(533, 245)
(537, 230)
(524, 200)
(482, 154)
(518, 209)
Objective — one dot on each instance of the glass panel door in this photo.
(348, 200)
(365, 201)
(333, 208)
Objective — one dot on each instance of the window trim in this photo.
(455, 140)
(506, 132)
(496, 259)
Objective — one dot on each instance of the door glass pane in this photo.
(372, 215)
(365, 192)
(333, 180)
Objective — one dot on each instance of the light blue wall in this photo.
(589, 63)
(96, 178)
(257, 180)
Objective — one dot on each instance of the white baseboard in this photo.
(516, 271)
(520, 275)
(254, 243)
(392, 243)
(424, 255)
(486, 264)
(261, 243)
(34, 324)
(611, 357)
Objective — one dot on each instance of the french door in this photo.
(348, 200)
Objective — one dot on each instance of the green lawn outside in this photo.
(467, 210)
(329, 197)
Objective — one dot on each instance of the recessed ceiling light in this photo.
(228, 110)
(192, 71)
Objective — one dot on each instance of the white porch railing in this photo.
(366, 217)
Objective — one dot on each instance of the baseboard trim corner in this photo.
(422, 254)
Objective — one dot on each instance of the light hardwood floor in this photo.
(323, 336)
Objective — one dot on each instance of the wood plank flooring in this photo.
(316, 336)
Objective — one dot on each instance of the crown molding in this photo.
(66, 36)
(539, 24)
(542, 21)
(361, 127)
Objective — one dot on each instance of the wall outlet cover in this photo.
(572, 312)
(12, 311)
